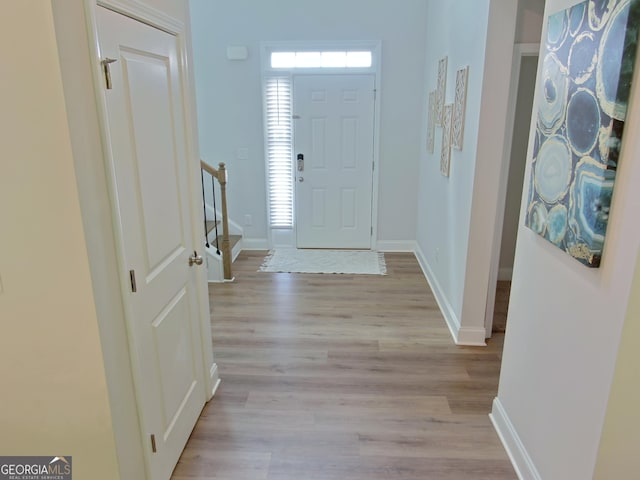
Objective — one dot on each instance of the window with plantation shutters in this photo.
(279, 150)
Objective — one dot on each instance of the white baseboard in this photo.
(255, 244)
(505, 274)
(396, 246)
(522, 462)
(472, 336)
(468, 336)
(445, 307)
(214, 379)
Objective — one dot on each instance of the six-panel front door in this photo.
(149, 162)
(333, 132)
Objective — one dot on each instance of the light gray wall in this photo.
(458, 30)
(457, 215)
(529, 24)
(565, 323)
(229, 94)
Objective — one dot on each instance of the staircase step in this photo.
(233, 240)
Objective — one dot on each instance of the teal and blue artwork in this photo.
(587, 69)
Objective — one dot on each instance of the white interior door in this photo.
(334, 132)
(148, 153)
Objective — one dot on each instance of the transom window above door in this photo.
(326, 59)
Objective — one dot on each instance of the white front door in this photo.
(333, 132)
(149, 164)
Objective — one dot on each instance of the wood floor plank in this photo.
(348, 404)
(343, 377)
(382, 467)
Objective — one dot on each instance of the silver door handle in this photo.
(195, 259)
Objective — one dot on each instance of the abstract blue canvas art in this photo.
(587, 68)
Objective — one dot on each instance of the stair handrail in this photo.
(221, 175)
(209, 169)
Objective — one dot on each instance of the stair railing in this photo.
(219, 174)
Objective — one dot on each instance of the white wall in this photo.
(459, 31)
(230, 98)
(530, 19)
(489, 168)
(565, 322)
(54, 391)
(618, 454)
(456, 214)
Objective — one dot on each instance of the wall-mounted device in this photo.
(237, 53)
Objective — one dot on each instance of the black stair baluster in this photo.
(204, 205)
(215, 213)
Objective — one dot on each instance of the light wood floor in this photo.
(343, 377)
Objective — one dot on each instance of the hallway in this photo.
(342, 377)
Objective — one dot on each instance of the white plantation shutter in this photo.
(279, 150)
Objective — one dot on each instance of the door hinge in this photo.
(132, 278)
(107, 71)
(375, 93)
(372, 230)
(153, 443)
(373, 166)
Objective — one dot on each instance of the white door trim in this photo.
(155, 18)
(520, 50)
(145, 14)
(284, 237)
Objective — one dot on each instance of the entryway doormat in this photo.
(292, 260)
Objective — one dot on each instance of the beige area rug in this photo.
(292, 260)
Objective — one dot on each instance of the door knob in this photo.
(301, 179)
(195, 259)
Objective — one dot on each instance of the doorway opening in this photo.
(525, 67)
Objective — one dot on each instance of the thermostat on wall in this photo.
(237, 53)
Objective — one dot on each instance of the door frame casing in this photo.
(160, 20)
(279, 237)
(520, 50)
